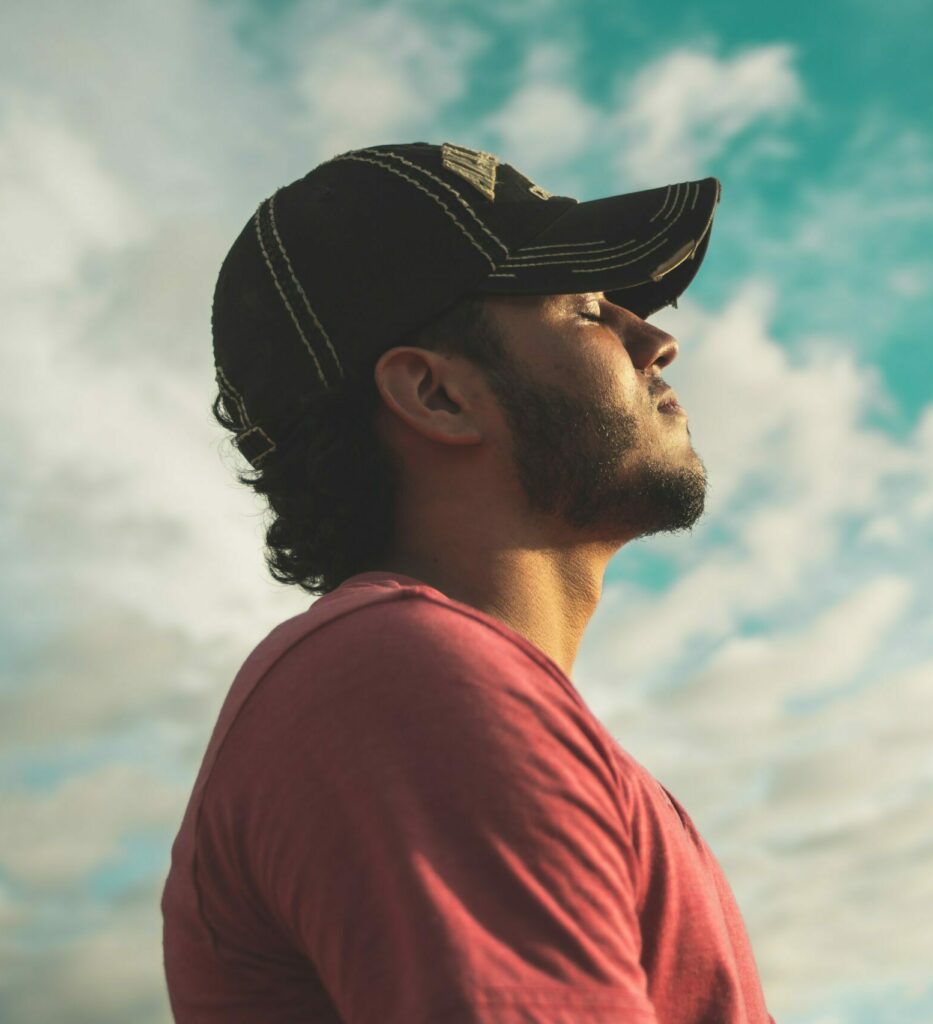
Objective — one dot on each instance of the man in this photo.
(406, 811)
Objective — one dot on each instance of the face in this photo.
(580, 395)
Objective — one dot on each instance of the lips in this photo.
(669, 399)
(669, 404)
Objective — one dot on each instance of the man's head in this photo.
(341, 278)
(565, 405)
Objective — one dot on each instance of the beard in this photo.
(584, 463)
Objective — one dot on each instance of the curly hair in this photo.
(332, 490)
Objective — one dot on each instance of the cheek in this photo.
(615, 380)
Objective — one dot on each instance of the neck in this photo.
(546, 595)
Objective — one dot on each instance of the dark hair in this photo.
(332, 490)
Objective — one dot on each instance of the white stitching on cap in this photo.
(561, 245)
(291, 312)
(618, 251)
(554, 259)
(437, 199)
(224, 382)
(615, 266)
(667, 196)
(574, 257)
(301, 291)
(556, 263)
(676, 217)
(440, 181)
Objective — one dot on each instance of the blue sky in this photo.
(774, 668)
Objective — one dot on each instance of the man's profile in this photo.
(445, 381)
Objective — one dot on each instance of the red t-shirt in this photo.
(406, 814)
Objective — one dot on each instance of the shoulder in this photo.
(418, 629)
(410, 655)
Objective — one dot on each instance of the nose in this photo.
(647, 345)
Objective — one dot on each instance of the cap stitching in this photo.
(223, 382)
(667, 196)
(562, 245)
(437, 199)
(597, 259)
(613, 266)
(586, 270)
(573, 257)
(600, 259)
(469, 209)
(291, 312)
(301, 290)
(683, 207)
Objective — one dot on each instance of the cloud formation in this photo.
(779, 685)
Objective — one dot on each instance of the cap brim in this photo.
(641, 249)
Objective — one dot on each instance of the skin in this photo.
(515, 494)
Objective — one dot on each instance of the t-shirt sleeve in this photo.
(440, 830)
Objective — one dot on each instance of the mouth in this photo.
(670, 406)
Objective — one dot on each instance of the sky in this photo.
(773, 667)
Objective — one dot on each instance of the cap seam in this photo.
(297, 283)
(562, 245)
(265, 255)
(437, 199)
(667, 196)
(449, 188)
(559, 257)
(668, 224)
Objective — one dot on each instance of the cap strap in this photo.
(251, 440)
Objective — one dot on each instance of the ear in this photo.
(433, 394)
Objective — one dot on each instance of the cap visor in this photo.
(641, 249)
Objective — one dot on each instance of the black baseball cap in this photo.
(342, 264)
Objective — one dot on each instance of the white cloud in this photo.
(110, 971)
(747, 680)
(801, 750)
(545, 123)
(125, 173)
(668, 122)
(378, 75)
(677, 114)
(55, 839)
(56, 198)
(850, 251)
(135, 559)
(789, 461)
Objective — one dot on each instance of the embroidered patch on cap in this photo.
(473, 165)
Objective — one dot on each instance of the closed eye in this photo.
(596, 318)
